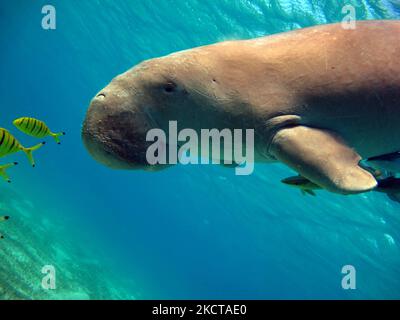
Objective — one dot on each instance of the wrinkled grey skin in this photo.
(345, 81)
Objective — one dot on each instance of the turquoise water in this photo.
(186, 232)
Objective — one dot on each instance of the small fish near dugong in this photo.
(388, 162)
(320, 100)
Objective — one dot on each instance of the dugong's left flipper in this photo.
(322, 157)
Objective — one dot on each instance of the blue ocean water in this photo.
(189, 231)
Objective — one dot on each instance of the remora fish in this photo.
(390, 186)
(305, 185)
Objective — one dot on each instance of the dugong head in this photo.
(180, 87)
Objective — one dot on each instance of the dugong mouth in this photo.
(115, 135)
(101, 152)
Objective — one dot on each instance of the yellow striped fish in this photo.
(3, 218)
(3, 172)
(9, 145)
(36, 128)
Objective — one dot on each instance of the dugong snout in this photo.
(114, 131)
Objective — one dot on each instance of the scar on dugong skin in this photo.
(320, 99)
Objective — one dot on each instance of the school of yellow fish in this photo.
(10, 145)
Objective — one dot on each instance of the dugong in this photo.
(319, 99)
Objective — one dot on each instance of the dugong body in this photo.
(319, 99)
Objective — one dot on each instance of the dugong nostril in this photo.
(101, 96)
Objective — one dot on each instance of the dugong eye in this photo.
(169, 87)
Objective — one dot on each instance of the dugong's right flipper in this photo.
(322, 157)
